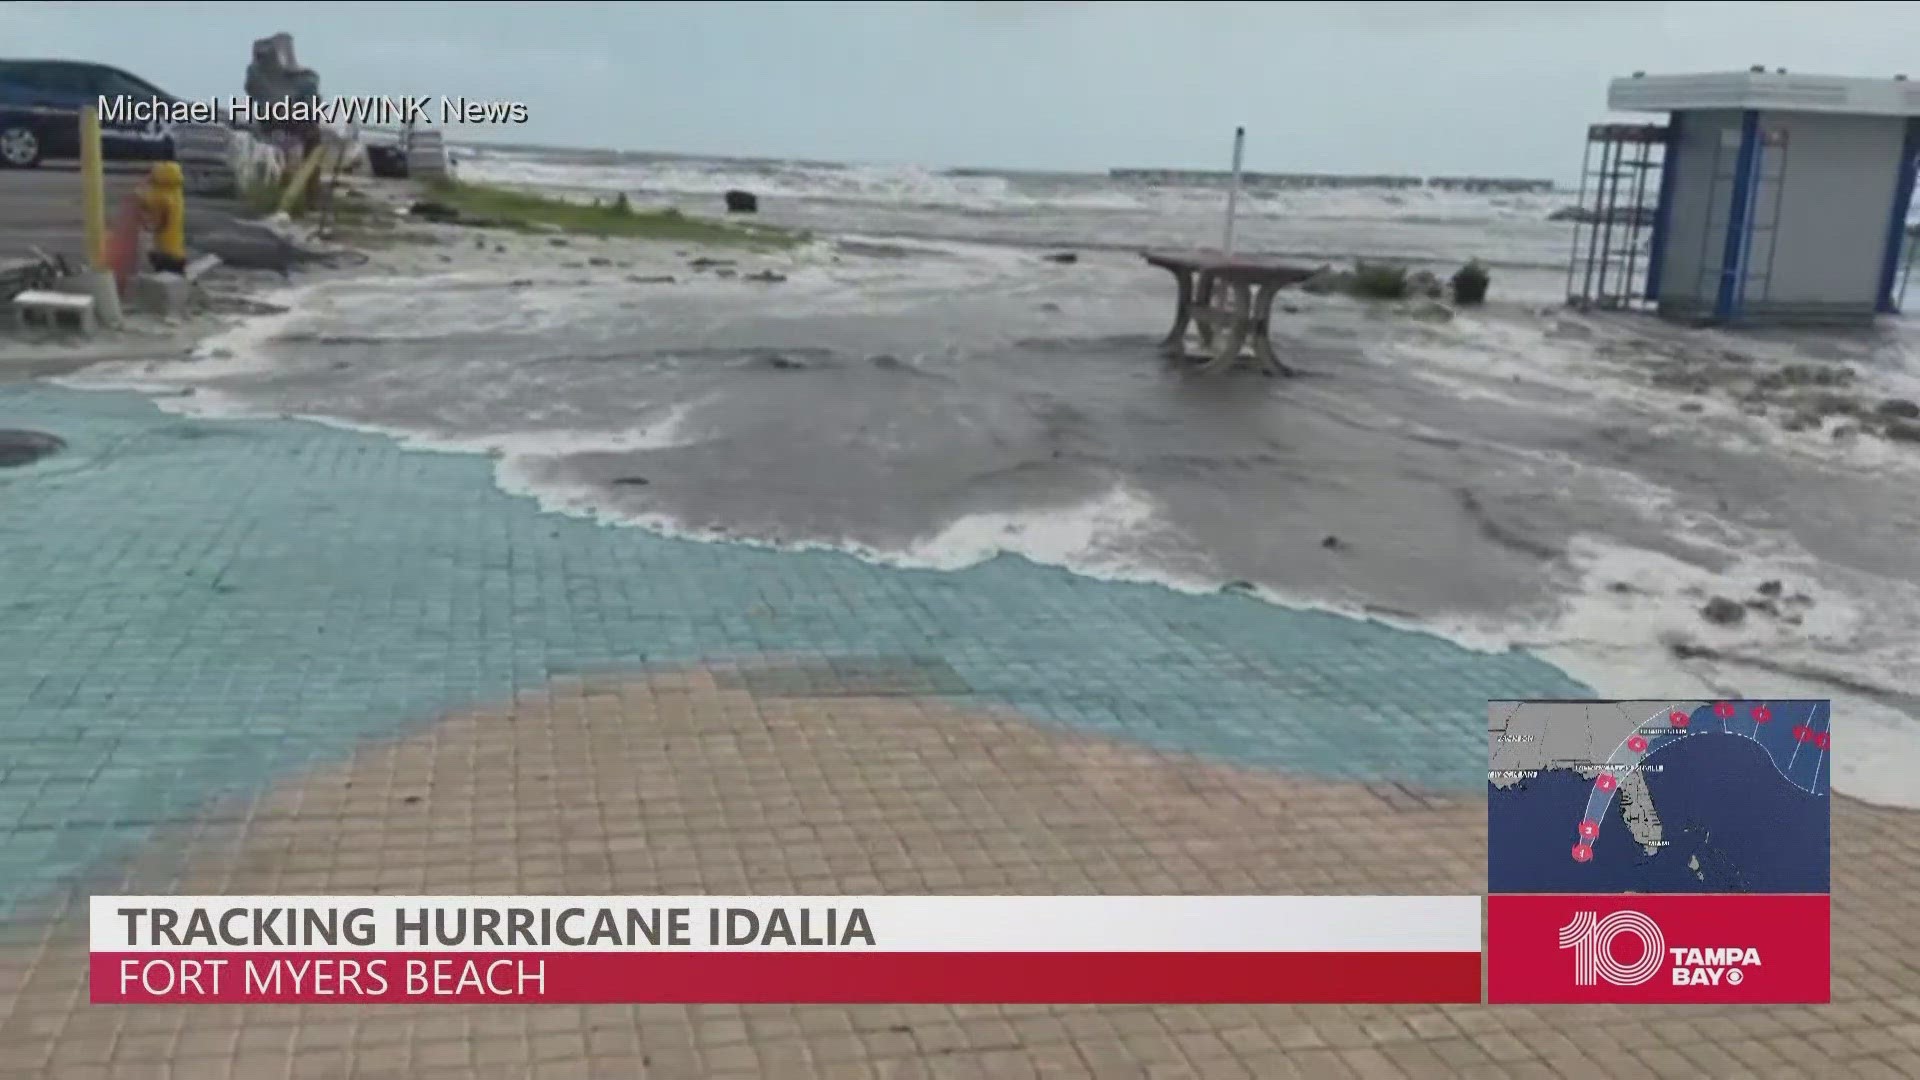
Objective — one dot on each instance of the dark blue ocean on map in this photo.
(1723, 803)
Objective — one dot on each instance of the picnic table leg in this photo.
(1229, 351)
(1203, 297)
(1262, 343)
(1175, 343)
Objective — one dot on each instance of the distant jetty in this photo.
(1512, 185)
(1504, 184)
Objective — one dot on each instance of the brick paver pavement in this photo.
(191, 607)
(719, 780)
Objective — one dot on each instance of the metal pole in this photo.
(1233, 189)
(1638, 209)
(1609, 211)
(1599, 207)
(93, 189)
(1580, 203)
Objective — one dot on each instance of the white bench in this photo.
(168, 295)
(40, 307)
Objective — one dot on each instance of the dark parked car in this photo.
(40, 103)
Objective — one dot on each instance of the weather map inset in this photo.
(1677, 796)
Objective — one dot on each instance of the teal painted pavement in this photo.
(191, 607)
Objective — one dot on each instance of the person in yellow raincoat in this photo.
(163, 203)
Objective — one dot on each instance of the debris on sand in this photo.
(632, 481)
(1064, 258)
(25, 447)
(1333, 543)
(1724, 612)
(428, 210)
(1327, 280)
(766, 275)
(1769, 588)
(1423, 283)
(1693, 382)
(1624, 215)
(1900, 407)
(1805, 375)
(269, 244)
(1826, 403)
(1901, 430)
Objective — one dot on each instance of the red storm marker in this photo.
(1677, 719)
(1606, 782)
(1723, 709)
(1637, 744)
(1589, 829)
(1762, 714)
(1582, 852)
(1823, 740)
(1801, 733)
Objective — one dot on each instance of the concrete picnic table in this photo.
(1240, 317)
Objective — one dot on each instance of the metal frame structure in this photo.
(1618, 224)
(1761, 159)
(1896, 270)
(1906, 274)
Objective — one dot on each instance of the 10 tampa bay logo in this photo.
(1671, 895)
(1592, 940)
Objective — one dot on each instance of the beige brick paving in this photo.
(670, 785)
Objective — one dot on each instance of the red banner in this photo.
(581, 977)
(1666, 949)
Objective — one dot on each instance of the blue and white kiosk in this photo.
(1766, 198)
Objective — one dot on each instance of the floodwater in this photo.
(925, 388)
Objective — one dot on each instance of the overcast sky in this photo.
(1491, 88)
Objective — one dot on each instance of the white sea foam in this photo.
(1621, 644)
(1859, 629)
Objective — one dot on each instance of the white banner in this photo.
(958, 924)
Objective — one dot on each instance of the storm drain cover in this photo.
(26, 447)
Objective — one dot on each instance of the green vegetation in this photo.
(262, 197)
(1380, 281)
(1470, 283)
(504, 208)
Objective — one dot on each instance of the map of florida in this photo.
(1613, 744)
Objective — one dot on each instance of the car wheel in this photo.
(19, 146)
